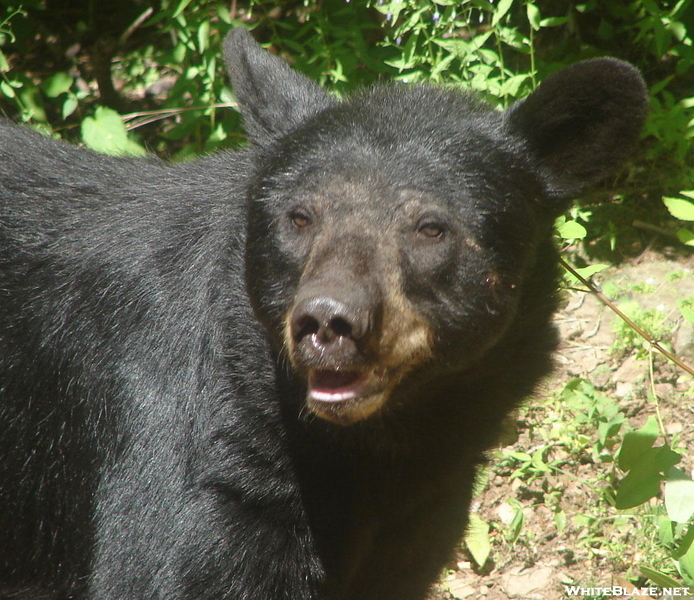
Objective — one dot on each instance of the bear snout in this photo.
(329, 332)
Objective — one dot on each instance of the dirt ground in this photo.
(544, 559)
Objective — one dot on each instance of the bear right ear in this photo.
(273, 98)
(581, 123)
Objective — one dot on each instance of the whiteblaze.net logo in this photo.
(617, 591)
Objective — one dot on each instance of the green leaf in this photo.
(686, 237)
(607, 429)
(178, 54)
(534, 16)
(679, 496)
(571, 230)
(180, 8)
(4, 65)
(57, 84)
(678, 30)
(686, 565)
(203, 36)
(501, 10)
(7, 89)
(224, 14)
(512, 85)
(660, 579)
(553, 21)
(105, 132)
(585, 272)
(391, 8)
(461, 48)
(590, 270)
(539, 463)
(636, 488)
(685, 543)
(605, 30)
(69, 106)
(637, 443)
(666, 535)
(643, 482)
(686, 307)
(520, 456)
(477, 539)
(517, 521)
(680, 209)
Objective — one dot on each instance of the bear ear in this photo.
(581, 123)
(273, 98)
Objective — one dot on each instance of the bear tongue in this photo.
(336, 386)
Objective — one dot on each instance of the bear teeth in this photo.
(336, 386)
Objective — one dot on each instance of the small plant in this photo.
(647, 466)
(594, 411)
(628, 339)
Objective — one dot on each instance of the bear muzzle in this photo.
(351, 362)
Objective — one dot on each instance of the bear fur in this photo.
(270, 374)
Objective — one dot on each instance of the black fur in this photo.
(166, 333)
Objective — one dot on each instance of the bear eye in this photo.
(431, 230)
(300, 219)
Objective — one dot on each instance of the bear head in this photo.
(397, 228)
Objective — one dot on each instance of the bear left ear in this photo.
(581, 123)
(273, 98)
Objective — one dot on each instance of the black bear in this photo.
(270, 374)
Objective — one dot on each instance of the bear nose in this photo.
(328, 321)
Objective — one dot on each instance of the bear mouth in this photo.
(345, 396)
(339, 386)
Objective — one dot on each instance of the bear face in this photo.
(396, 229)
(371, 257)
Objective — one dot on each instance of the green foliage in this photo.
(464, 42)
(683, 210)
(171, 83)
(105, 132)
(528, 466)
(652, 321)
(646, 467)
(686, 307)
(594, 411)
(516, 522)
(679, 496)
(477, 539)
(570, 230)
(653, 498)
(167, 70)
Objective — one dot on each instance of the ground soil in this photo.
(609, 550)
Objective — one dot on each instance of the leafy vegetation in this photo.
(638, 478)
(164, 73)
(157, 64)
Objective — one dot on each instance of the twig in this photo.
(656, 399)
(135, 24)
(607, 302)
(138, 119)
(654, 229)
